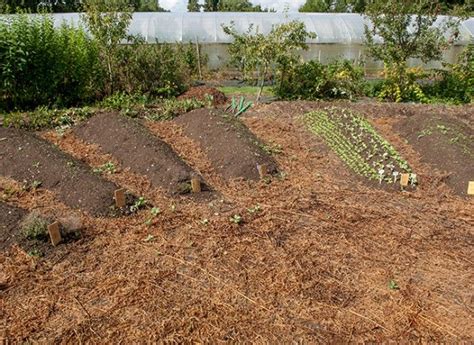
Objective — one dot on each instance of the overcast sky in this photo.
(180, 5)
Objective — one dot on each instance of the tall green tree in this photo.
(407, 32)
(211, 5)
(238, 6)
(194, 6)
(333, 6)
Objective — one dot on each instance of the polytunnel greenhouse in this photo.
(339, 35)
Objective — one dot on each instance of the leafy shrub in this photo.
(256, 53)
(154, 69)
(401, 84)
(42, 65)
(313, 80)
(34, 227)
(43, 117)
(456, 84)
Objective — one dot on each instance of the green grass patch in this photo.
(358, 144)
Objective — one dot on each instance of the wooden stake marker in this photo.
(54, 233)
(262, 170)
(404, 178)
(119, 196)
(470, 188)
(196, 185)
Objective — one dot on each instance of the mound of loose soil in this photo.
(233, 150)
(445, 143)
(10, 219)
(27, 158)
(200, 93)
(136, 148)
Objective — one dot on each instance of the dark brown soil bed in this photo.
(27, 158)
(444, 142)
(201, 93)
(135, 147)
(233, 150)
(10, 219)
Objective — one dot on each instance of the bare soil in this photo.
(136, 148)
(444, 142)
(318, 258)
(10, 219)
(233, 150)
(29, 159)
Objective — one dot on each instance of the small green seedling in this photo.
(236, 219)
(108, 168)
(138, 204)
(205, 221)
(36, 184)
(36, 165)
(254, 209)
(238, 107)
(149, 238)
(153, 213)
(392, 285)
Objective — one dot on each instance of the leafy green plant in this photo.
(155, 211)
(170, 108)
(392, 285)
(238, 107)
(256, 53)
(236, 219)
(34, 227)
(108, 22)
(313, 80)
(358, 144)
(455, 83)
(108, 168)
(407, 31)
(138, 204)
(44, 65)
(44, 118)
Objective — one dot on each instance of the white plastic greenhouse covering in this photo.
(330, 28)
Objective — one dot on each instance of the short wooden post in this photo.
(119, 196)
(404, 178)
(470, 188)
(196, 184)
(54, 233)
(262, 170)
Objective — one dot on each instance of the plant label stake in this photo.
(470, 188)
(262, 170)
(119, 196)
(196, 185)
(54, 233)
(404, 178)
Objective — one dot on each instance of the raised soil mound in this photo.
(10, 219)
(445, 143)
(26, 158)
(200, 93)
(136, 148)
(233, 150)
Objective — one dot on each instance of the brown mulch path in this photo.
(311, 264)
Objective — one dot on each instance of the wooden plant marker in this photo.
(470, 188)
(119, 196)
(196, 185)
(262, 170)
(404, 178)
(54, 233)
